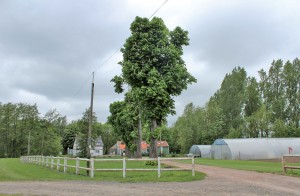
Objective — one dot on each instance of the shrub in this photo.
(151, 163)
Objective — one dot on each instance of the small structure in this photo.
(254, 148)
(97, 148)
(163, 148)
(200, 151)
(119, 148)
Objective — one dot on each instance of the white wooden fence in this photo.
(58, 162)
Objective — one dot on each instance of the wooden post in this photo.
(193, 166)
(124, 167)
(77, 165)
(65, 164)
(282, 164)
(89, 142)
(52, 161)
(47, 161)
(92, 168)
(158, 165)
(58, 163)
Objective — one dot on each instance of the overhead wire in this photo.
(107, 60)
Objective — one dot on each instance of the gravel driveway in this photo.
(219, 181)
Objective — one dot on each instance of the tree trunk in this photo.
(139, 139)
(153, 141)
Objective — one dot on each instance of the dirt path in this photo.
(220, 181)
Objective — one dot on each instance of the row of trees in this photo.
(244, 107)
(24, 132)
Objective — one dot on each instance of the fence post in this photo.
(158, 165)
(282, 164)
(193, 166)
(92, 168)
(47, 161)
(65, 164)
(38, 160)
(58, 163)
(124, 167)
(77, 165)
(52, 161)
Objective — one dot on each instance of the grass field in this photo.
(258, 166)
(13, 170)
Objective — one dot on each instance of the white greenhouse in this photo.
(200, 150)
(254, 148)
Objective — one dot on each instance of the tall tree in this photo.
(109, 137)
(291, 75)
(153, 67)
(276, 88)
(252, 105)
(124, 123)
(69, 136)
(231, 98)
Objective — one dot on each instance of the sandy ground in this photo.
(219, 181)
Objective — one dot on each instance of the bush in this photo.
(151, 163)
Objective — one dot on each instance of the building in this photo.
(163, 148)
(254, 148)
(200, 151)
(119, 148)
(97, 148)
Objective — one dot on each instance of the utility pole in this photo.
(28, 146)
(89, 142)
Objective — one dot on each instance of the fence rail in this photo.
(58, 162)
(290, 161)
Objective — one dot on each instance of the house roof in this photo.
(162, 144)
(144, 145)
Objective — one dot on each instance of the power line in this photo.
(107, 60)
(158, 9)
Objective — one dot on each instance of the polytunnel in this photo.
(200, 150)
(254, 148)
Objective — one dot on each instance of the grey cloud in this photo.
(48, 49)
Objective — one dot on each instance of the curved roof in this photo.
(202, 150)
(255, 148)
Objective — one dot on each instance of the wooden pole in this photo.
(89, 142)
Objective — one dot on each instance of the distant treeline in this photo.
(244, 107)
(23, 131)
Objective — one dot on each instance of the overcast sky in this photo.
(49, 48)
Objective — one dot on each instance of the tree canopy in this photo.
(153, 68)
(244, 107)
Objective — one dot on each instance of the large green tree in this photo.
(83, 126)
(124, 122)
(152, 66)
(291, 80)
(231, 98)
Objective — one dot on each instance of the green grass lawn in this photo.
(13, 170)
(258, 166)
